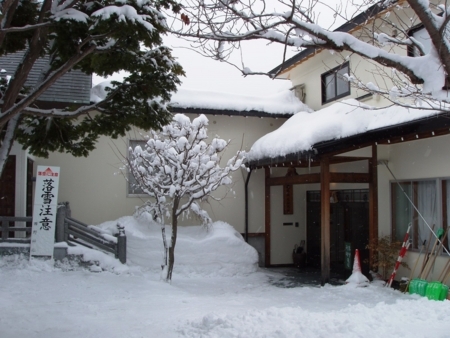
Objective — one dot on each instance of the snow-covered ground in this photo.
(217, 291)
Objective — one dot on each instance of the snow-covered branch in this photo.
(366, 32)
(63, 113)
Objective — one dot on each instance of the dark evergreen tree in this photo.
(99, 37)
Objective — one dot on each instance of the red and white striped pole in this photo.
(402, 253)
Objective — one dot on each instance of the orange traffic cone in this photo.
(357, 278)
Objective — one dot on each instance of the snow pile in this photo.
(342, 119)
(354, 320)
(40, 300)
(284, 102)
(357, 278)
(99, 261)
(217, 250)
(23, 262)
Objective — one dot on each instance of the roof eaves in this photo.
(297, 157)
(427, 125)
(229, 112)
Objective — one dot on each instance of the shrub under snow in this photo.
(216, 250)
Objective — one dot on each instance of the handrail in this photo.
(85, 228)
(74, 230)
(5, 228)
(96, 238)
(78, 233)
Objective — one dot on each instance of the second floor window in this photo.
(334, 83)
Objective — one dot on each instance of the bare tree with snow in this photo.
(178, 169)
(99, 37)
(379, 31)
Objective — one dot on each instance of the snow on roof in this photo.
(347, 118)
(284, 102)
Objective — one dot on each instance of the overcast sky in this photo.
(205, 74)
(209, 75)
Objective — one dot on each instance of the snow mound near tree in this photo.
(216, 250)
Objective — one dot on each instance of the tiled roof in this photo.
(72, 87)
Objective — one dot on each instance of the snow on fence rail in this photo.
(78, 232)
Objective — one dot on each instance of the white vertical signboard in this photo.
(44, 211)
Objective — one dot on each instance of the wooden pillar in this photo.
(325, 218)
(373, 202)
(267, 217)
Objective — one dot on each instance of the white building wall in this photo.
(309, 71)
(284, 237)
(97, 191)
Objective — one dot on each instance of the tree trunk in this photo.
(35, 46)
(170, 250)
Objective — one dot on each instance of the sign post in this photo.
(44, 212)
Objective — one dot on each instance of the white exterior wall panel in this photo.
(97, 191)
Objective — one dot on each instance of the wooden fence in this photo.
(6, 228)
(90, 236)
(70, 231)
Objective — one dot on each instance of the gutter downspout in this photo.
(246, 204)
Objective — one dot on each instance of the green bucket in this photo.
(436, 291)
(418, 286)
(444, 292)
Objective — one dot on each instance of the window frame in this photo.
(324, 85)
(441, 209)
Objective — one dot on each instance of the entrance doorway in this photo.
(349, 223)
